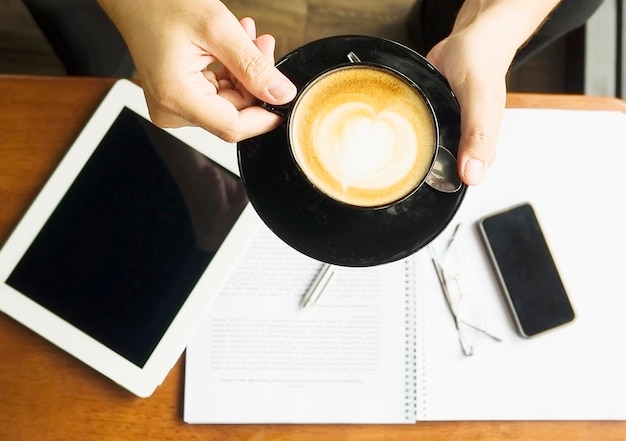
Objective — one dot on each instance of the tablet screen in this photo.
(131, 237)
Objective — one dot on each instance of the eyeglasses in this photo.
(468, 315)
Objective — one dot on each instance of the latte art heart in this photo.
(363, 136)
(362, 149)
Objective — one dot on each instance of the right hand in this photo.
(172, 44)
(475, 58)
(477, 78)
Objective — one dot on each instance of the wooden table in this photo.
(45, 394)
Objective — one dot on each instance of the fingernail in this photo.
(474, 171)
(281, 89)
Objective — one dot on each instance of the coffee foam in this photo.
(362, 149)
(363, 136)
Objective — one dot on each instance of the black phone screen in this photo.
(526, 269)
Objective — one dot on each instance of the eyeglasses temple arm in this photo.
(467, 349)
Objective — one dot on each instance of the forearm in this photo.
(506, 24)
(119, 11)
(111, 8)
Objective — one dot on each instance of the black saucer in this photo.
(325, 229)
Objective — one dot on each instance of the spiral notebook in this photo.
(261, 358)
(380, 345)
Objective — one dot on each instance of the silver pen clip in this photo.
(316, 288)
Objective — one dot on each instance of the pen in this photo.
(316, 288)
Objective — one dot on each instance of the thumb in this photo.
(481, 114)
(481, 92)
(253, 69)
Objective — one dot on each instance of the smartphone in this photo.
(526, 270)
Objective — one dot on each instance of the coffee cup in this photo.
(362, 171)
(364, 134)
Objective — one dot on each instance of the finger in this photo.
(267, 45)
(214, 113)
(248, 24)
(482, 106)
(237, 51)
(241, 124)
(227, 81)
(219, 115)
(236, 92)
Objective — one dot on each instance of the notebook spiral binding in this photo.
(410, 368)
(421, 262)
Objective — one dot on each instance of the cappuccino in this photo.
(363, 135)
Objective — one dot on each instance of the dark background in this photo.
(558, 69)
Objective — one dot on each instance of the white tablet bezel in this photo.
(141, 381)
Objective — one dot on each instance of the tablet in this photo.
(121, 253)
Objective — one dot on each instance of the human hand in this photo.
(475, 59)
(478, 82)
(172, 44)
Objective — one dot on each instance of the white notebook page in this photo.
(259, 357)
(571, 166)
